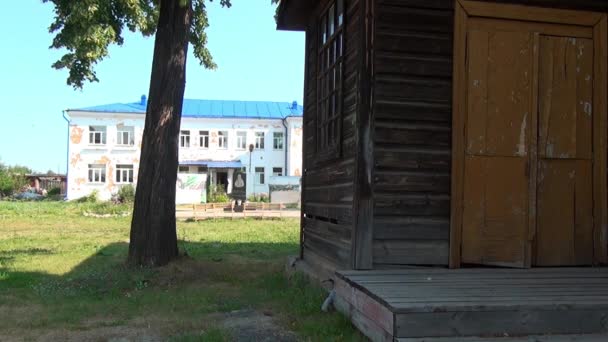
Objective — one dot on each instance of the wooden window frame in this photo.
(328, 148)
(466, 10)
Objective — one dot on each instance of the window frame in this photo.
(330, 79)
(96, 171)
(277, 174)
(259, 140)
(260, 176)
(275, 139)
(102, 135)
(122, 170)
(130, 136)
(222, 136)
(203, 139)
(182, 167)
(184, 138)
(241, 145)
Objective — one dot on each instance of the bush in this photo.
(126, 194)
(262, 197)
(217, 194)
(54, 191)
(93, 197)
(7, 184)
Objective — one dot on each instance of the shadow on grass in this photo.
(213, 278)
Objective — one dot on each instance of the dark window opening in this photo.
(329, 81)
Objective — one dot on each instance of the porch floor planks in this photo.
(442, 303)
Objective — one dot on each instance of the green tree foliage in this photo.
(86, 28)
(12, 178)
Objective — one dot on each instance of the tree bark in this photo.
(153, 232)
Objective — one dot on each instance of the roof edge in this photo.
(293, 15)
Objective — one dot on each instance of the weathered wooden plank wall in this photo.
(412, 124)
(328, 186)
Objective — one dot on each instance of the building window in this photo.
(277, 171)
(241, 140)
(183, 169)
(259, 140)
(277, 140)
(222, 139)
(184, 139)
(124, 173)
(125, 135)
(97, 173)
(202, 169)
(329, 93)
(259, 176)
(203, 137)
(97, 135)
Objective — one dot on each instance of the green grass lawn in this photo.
(63, 273)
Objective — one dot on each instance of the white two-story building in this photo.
(215, 137)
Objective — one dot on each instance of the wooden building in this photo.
(453, 133)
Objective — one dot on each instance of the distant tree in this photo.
(12, 178)
(19, 170)
(86, 29)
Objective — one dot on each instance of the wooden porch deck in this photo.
(400, 305)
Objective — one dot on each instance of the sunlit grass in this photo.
(62, 270)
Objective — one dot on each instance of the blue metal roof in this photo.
(212, 109)
(213, 163)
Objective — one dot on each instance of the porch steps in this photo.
(419, 304)
(531, 338)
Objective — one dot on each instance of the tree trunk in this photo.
(153, 232)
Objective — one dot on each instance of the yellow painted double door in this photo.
(528, 184)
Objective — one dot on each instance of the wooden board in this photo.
(495, 212)
(436, 302)
(565, 188)
(565, 97)
(565, 213)
(561, 94)
(496, 175)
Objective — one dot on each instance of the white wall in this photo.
(81, 153)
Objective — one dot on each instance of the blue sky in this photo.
(255, 61)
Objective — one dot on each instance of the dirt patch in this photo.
(186, 270)
(250, 325)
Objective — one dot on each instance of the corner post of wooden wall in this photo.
(363, 205)
(458, 132)
(600, 130)
(309, 36)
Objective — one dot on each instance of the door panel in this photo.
(496, 184)
(530, 138)
(565, 97)
(565, 191)
(565, 213)
(495, 213)
(500, 78)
